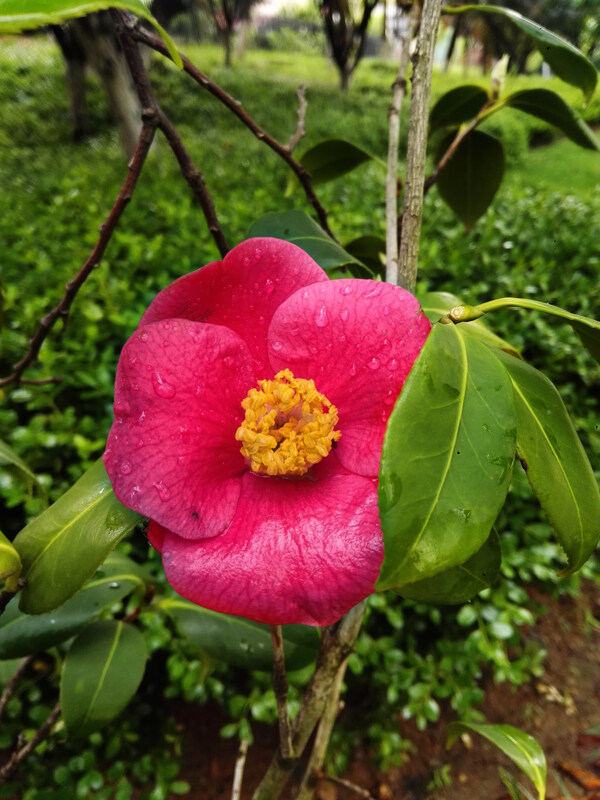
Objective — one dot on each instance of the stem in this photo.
(280, 687)
(391, 184)
(238, 775)
(468, 313)
(317, 757)
(417, 144)
(20, 754)
(144, 36)
(10, 686)
(300, 126)
(336, 645)
(351, 787)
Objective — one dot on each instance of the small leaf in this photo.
(369, 250)
(8, 458)
(457, 106)
(10, 564)
(519, 746)
(102, 671)
(241, 642)
(555, 462)
(566, 61)
(64, 546)
(461, 583)
(473, 175)
(549, 106)
(297, 227)
(20, 15)
(438, 304)
(329, 160)
(22, 634)
(447, 458)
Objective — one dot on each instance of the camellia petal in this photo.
(171, 452)
(297, 551)
(358, 340)
(241, 292)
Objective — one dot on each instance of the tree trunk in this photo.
(74, 57)
(227, 46)
(345, 75)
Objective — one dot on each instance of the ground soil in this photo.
(559, 709)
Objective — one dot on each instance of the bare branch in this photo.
(352, 787)
(21, 753)
(280, 687)
(106, 230)
(417, 144)
(148, 38)
(238, 775)
(42, 381)
(9, 689)
(391, 185)
(300, 128)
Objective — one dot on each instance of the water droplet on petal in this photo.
(386, 311)
(353, 370)
(142, 417)
(346, 289)
(374, 292)
(344, 314)
(163, 491)
(321, 319)
(126, 467)
(228, 361)
(389, 398)
(162, 387)
(269, 286)
(392, 364)
(373, 363)
(257, 253)
(277, 345)
(143, 336)
(246, 263)
(122, 408)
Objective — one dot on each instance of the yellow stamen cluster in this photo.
(289, 426)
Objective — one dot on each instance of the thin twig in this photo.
(391, 184)
(10, 686)
(21, 753)
(280, 687)
(124, 23)
(149, 39)
(300, 125)
(6, 596)
(352, 787)
(337, 643)
(317, 757)
(238, 775)
(417, 144)
(150, 121)
(42, 381)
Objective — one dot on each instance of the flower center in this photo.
(289, 426)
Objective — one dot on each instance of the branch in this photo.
(10, 686)
(417, 144)
(351, 787)
(300, 129)
(61, 310)
(280, 687)
(336, 645)
(236, 789)
(391, 184)
(146, 37)
(125, 23)
(20, 754)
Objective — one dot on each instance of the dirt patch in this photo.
(558, 709)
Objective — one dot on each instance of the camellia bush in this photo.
(295, 429)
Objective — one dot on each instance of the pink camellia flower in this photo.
(250, 409)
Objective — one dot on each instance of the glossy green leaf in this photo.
(22, 634)
(10, 564)
(549, 106)
(457, 106)
(566, 61)
(241, 642)
(368, 250)
(438, 304)
(519, 746)
(20, 15)
(461, 583)
(473, 175)
(300, 229)
(447, 458)
(65, 545)
(555, 462)
(329, 160)
(102, 671)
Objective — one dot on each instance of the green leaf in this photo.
(447, 458)
(473, 175)
(23, 635)
(555, 462)
(438, 304)
(461, 583)
(20, 15)
(10, 564)
(566, 61)
(65, 545)
(549, 106)
(102, 671)
(517, 745)
(241, 642)
(8, 458)
(368, 250)
(329, 160)
(300, 229)
(457, 106)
